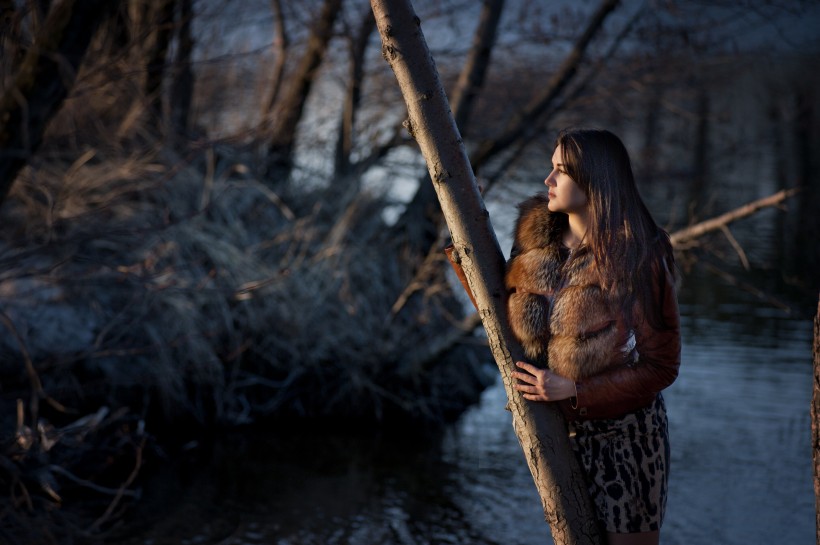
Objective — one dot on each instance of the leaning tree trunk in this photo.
(815, 422)
(43, 81)
(539, 426)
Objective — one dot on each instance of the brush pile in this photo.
(150, 294)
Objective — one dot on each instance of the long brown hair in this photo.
(628, 247)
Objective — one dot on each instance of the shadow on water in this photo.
(310, 486)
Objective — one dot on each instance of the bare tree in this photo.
(421, 221)
(182, 84)
(356, 72)
(288, 112)
(472, 76)
(539, 426)
(519, 125)
(161, 17)
(42, 82)
(280, 52)
(10, 47)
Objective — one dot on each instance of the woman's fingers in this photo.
(533, 382)
(525, 377)
(527, 367)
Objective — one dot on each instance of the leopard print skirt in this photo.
(626, 461)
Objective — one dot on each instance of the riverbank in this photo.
(152, 300)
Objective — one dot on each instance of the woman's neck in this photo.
(576, 231)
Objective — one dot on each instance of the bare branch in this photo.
(521, 124)
(280, 51)
(683, 236)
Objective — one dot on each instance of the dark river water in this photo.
(741, 459)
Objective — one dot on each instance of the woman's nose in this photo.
(550, 181)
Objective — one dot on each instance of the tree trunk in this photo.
(472, 76)
(43, 81)
(182, 87)
(288, 112)
(10, 47)
(280, 52)
(539, 426)
(805, 159)
(344, 143)
(161, 21)
(815, 422)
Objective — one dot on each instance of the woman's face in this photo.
(565, 195)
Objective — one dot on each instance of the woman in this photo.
(592, 301)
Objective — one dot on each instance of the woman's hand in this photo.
(542, 384)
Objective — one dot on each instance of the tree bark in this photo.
(539, 426)
(815, 422)
(288, 112)
(45, 76)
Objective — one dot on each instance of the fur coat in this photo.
(556, 307)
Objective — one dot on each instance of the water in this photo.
(741, 461)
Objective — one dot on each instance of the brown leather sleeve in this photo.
(456, 264)
(626, 388)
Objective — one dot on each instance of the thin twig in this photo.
(123, 490)
(91, 485)
(736, 245)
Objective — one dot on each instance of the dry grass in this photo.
(191, 280)
(169, 291)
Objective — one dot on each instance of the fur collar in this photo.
(556, 307)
